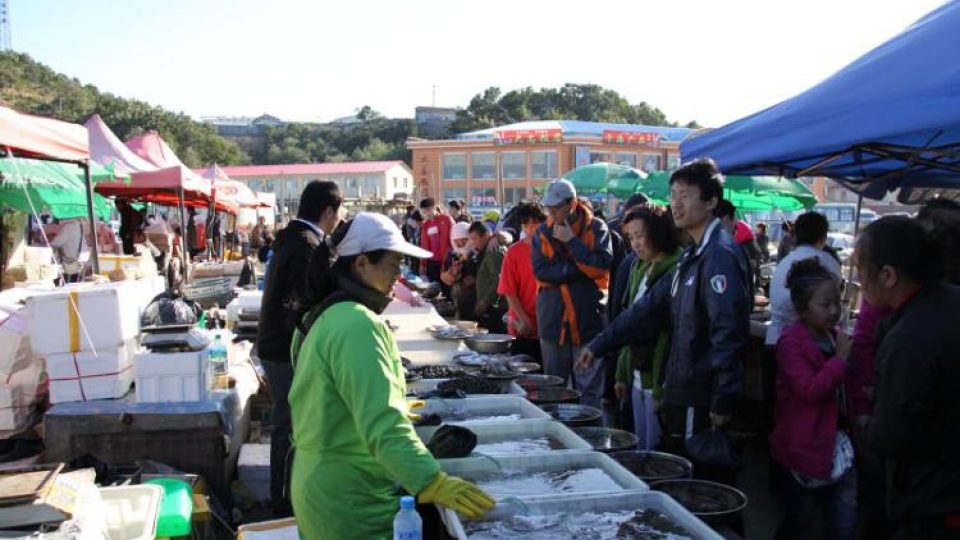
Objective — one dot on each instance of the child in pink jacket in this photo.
(810, 425)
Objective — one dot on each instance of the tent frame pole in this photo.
(183, 234)
(91, 214)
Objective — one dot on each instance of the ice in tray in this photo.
(647, 524)
(524, 483)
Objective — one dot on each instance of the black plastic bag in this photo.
(450, 442)
(168, 309)
(713, 447)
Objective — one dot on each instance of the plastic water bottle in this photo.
(218, 362)
(407, 525)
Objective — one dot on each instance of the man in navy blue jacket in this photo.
(706, 304)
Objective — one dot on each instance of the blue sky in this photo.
(713, 61)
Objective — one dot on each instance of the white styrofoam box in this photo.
(502, 405)
(171, 377)
(37, 255)
(495, 432)
(250, 301)
(18, 394)
(476, 468)
(143, 264)
(109, 313)
(14, 339)
(85, 375)
(599, 503)
(131, 511)
(253, 469)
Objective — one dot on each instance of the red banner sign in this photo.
(631, 137)
(528, 136)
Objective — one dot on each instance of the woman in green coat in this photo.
(354, 442)
(654, 239)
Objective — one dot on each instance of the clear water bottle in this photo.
(407, 525)
(217, 355)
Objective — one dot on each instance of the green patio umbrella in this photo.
(50, 185)
(747, 193)
(595, 178)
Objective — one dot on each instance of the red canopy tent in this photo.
(53, 140)
(230, 191)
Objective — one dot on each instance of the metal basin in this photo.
(490, 343)
(607, 439)
(654, 466)
(574, 414)
(554, 394)
(714, 503)
(532, 382)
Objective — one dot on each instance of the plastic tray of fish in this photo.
(511, 438)
(428, 385)
(570, 473)
(608, 516)
(483, 409)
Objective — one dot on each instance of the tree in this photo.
(367, 114)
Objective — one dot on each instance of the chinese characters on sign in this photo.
(528, 136)
(629, 137)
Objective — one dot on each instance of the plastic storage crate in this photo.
(474, 468)
(610, 502)
(494, 432)
(483, 406)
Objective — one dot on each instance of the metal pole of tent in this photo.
(501, 195)
(94, 248)
(856, 232)
(183, 235)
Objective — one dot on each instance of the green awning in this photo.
(52, 186)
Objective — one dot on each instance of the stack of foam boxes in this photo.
(88, 334)
(21, 372)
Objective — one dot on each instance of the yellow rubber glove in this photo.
(457, 494)
(414, 404)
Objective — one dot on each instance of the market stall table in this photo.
(202, 437)
(413, 340)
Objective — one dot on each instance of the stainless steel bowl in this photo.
(490, 343)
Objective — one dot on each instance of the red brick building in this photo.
(529, 154)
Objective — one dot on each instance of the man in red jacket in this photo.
(435, 238)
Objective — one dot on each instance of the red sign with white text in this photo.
(529, 136)
(631, 137)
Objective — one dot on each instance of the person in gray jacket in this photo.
(706, 306)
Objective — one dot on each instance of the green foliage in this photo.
(375, 139)
(31, 87)
(587, 102)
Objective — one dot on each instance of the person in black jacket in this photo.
(707, 306)
(916, 410)
(317, 216)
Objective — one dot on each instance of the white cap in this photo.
(558, 191)
(459, 231)
(371, 232)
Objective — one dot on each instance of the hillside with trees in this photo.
(31, 87)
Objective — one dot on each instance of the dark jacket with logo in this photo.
(706, 306)
(915, 427)
(284, 289)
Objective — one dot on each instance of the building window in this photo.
(651, 162)
(406, 182)
(543, 165)
(454, 193)
(627, 159)
(673, 162)
(483, 165)
(601, 157)
(513, 164)
(292, 189)
(454, 166)
(513, 195)
(254, 185)
(396, 183)
(483, 197)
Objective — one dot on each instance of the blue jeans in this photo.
(837, 502)
(559, 359)
(279, 378)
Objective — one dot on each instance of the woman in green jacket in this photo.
(654, 239)
(354, 442)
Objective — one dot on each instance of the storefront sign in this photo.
(528, 136)
(629, 137)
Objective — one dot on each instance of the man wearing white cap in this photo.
(353, 438)
(571, 255)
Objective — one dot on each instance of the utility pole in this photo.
(5, 42)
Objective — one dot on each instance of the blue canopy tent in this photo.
(889, 120)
